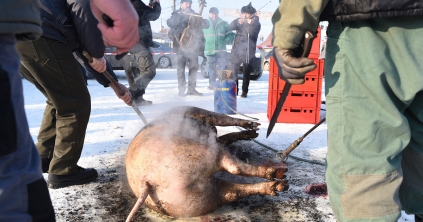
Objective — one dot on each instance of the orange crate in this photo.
(296, 115)
(296, 98)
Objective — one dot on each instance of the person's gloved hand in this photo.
(292, 68)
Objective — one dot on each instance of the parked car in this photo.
(255, 73)
(163, 56)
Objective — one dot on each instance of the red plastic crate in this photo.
(311, 83)
(296, 115)
(296, 98)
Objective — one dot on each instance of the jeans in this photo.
(215, 62)
(23, 192)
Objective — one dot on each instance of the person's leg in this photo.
(235, 62)
(248, 67)
(57, 71)
(147, 69)
(180, 71)
(192, 75)
(211, 68)
(23, 192)
(369, 85)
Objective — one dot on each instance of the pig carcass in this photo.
(171, 162)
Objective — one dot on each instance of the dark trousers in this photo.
(145, 63)
(190, 60)
(248, 67)
(52, 68)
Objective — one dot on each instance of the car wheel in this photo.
(163, 62)
(266, 66)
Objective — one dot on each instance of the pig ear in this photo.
(143, 195)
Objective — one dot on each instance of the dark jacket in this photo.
(351, 10)
(22, 19)
(246, 34)
(178, 22)
(146, 14)
(72, 23)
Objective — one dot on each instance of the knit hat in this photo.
(182, 1)
(214, 10)
(248, 9)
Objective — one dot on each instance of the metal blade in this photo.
(278, 108)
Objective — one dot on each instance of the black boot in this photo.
(81, 176)
(244, 95)
(417, 218)
(142, 102)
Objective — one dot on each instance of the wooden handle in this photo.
(107, 74)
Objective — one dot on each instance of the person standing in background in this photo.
(141, 52)
(247, 29)
(187, 55)
(217, 36)
(374, 100)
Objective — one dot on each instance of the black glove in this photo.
(291, 67)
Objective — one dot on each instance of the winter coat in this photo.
(351, 10)
(22, 19)
(72, 23)
(217, 36)
(178, 22)
(146, 14)
(246, 34)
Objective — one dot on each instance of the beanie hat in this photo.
(182, 1)
(214, 10)
(248, 9)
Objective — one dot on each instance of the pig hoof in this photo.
(277, 186)
(248, 134)
(276, 172)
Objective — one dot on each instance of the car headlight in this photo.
(258, 54)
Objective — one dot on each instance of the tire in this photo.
(163, 62)
(266, 66)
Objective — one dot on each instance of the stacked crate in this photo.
(303, 102)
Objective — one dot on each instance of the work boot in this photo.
(142, 102)
(45, 164)
(244, 95)
(81, 176)
(194, 93)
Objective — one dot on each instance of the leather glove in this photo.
(292, 68)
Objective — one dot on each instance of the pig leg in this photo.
(232, 137)
(143, 195)
(229, 192)
(217, 119)
(235, 166)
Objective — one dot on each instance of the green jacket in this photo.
(217, 37)
(293, 18)
(20, 17)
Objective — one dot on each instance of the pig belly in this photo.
(178, 170)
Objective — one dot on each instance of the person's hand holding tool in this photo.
(98, 64)
(293, 66)
(126, 97)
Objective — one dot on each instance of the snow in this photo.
(112, 126)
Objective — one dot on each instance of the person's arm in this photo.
(89, 36)
(229, 35)
(293, 18)
(234, 24)
(205, 24)
(124, 32)
(291, 21)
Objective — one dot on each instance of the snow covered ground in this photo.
(113, 125)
